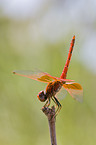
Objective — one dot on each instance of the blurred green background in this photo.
(37, 34)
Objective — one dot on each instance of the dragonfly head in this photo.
(41, 96)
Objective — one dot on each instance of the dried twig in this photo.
(50, 113)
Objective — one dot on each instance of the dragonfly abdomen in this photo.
(64, 73)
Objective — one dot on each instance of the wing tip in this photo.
(79, 100)
(14, 72)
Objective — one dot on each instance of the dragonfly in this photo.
(54, 84)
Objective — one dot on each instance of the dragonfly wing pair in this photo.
(74, 89)
(39, 76)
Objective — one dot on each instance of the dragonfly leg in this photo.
(47, 103)
(58, 104)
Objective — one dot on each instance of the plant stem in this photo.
(50, 113)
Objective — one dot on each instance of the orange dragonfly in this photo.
(54, 84)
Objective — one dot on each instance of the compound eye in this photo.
(41, 96)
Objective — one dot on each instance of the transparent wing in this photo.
(61, 94)
(39, 76)
(35, 75)
(75, 90)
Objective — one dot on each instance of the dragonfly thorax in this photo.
(52, 88)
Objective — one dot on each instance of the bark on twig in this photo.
(50, 113)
